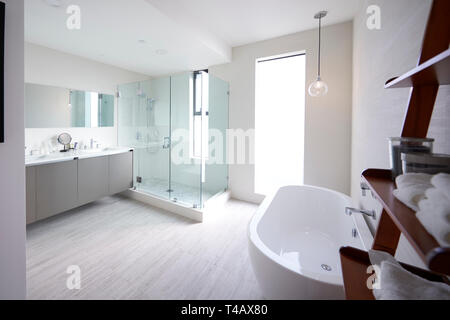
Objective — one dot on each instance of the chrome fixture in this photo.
(93, 143)
(364, 188)
(166, 144)
(370, 213)
(326, 267)
(319, 88)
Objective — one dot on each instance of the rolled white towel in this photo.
(411, 188)
(411, 195)
(434, 214)
(442, 182)
(396, 283)
(409, 179)
(437, 226)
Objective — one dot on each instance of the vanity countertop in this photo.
(37, 160)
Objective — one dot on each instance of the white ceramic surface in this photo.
(296, 235)
(36, 160)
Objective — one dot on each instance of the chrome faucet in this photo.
(364, 188)
(370, 213)
(94, 143)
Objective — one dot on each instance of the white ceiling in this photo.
(194, 34)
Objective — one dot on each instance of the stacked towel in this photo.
(411, 188)
(434, 209)
(442, 182)
(396, 283)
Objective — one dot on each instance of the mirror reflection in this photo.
(54, 107)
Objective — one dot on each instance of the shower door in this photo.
(144, 124)
(177, 126)
(215, 179)
(185, 165)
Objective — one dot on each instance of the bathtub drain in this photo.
(326, 267)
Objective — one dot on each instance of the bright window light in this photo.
(279, 122)
(94, 109)
(200, 115)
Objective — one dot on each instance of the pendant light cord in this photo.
(320, 26)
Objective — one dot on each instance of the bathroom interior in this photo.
(237, 150)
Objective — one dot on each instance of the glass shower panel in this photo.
(216, 169)
(177, 127)
(144, 115)
(185, 167)
(127, 130)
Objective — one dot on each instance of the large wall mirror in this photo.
(53, 107)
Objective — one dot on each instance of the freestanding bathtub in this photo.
(294, 241)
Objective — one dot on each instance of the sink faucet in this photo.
(370, 213)
(93, 142)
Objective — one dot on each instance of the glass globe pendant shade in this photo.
(318, 88)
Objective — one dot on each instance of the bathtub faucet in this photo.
(370, 213)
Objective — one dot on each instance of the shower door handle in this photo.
(166, 144)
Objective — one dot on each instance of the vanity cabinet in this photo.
(56, 188)
(31, 194)
(92, 179)
(120, 172)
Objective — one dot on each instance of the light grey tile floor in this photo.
(129, 250)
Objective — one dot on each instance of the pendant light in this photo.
(319, 88)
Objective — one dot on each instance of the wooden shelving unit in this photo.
(435, 257)
(354, 271)
(432, 71)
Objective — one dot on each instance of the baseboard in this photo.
(218, 201)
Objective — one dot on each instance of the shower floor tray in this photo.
(178, 192)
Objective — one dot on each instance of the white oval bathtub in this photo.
(294, 241)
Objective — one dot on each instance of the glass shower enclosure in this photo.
(177, 126)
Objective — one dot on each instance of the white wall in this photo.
(328, 119)
(12, 166)
(378, 113)
(50, 67)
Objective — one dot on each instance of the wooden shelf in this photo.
(434, 256)
(435, 71)
(354, 264)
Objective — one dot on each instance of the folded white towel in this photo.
(396, 283)
(377, 257)
(442, 182)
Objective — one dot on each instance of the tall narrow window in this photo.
(279, 122)
(94, 109)
(200, 97)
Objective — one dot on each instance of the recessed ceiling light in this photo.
(54, 3)
(161, 52)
